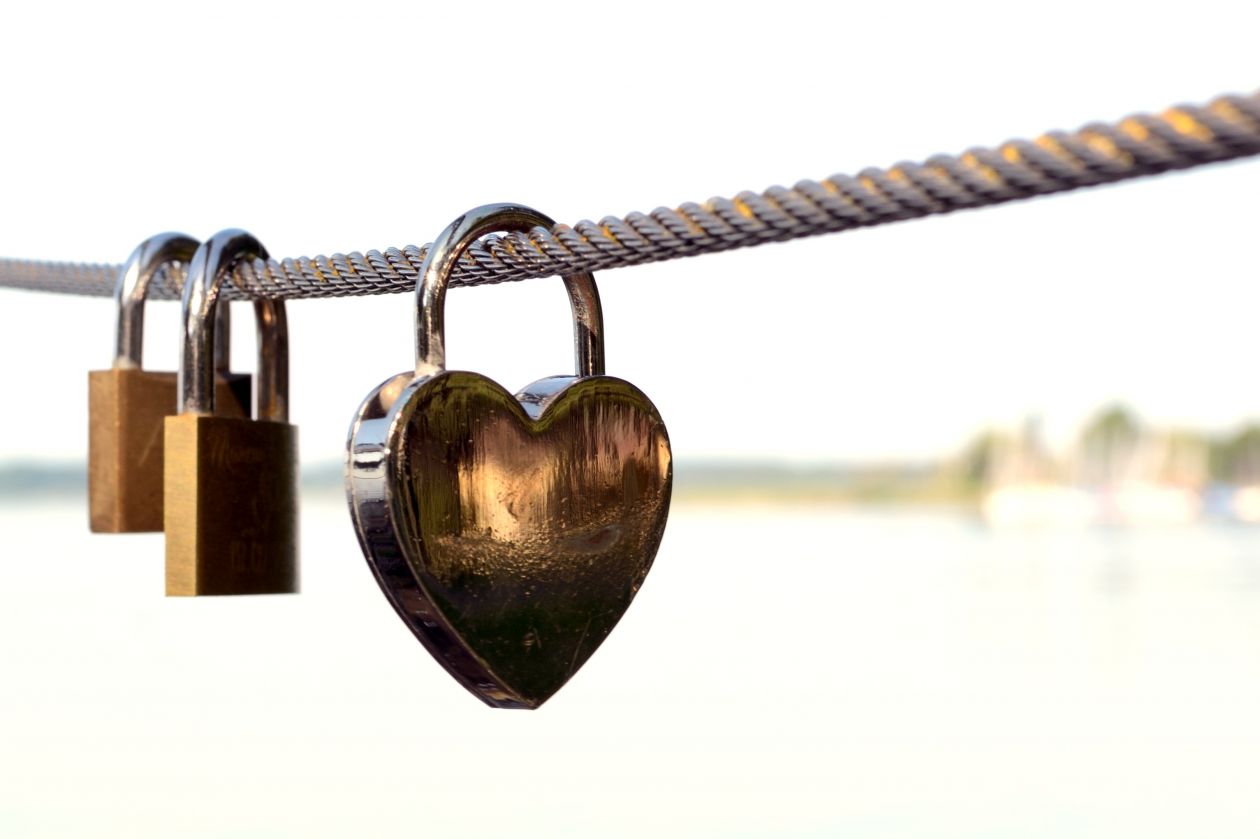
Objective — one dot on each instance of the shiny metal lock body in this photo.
(231, 493)
(127, 404)
(510, 533)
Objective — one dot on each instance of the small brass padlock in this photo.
(127, 404)
(231, 494)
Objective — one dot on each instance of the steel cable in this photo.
(1099, 153)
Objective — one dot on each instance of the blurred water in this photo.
(784, 672)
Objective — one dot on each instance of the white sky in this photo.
(338, 127)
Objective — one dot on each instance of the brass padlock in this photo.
(127, 404)
(231, 492)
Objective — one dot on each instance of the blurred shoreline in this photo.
(1118, 470)
(707, 482)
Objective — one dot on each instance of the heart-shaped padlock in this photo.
(509, 533)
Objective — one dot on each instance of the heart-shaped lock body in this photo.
(510, 533)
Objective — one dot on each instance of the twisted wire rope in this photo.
(1099, 153)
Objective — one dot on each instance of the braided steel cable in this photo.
(1179, 138)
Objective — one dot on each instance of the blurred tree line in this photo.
(1113, 446)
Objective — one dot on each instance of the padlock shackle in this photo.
(149, 257)
(272, 379)
(445, 253)
(207, 269)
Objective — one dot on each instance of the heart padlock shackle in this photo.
(509, 533)
(231, 492)
(127, 404)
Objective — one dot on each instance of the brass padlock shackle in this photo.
(440, 262)
(132, 288)
(210, 265)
